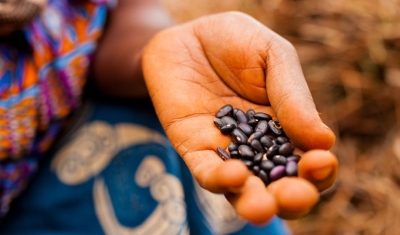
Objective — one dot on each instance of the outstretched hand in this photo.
(193, 69)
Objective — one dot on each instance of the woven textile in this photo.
(42, 72)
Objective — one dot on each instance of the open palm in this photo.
(194, 69)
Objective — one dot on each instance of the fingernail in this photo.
(327, 127)
(321, 174)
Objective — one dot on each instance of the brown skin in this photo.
(193, 69)
(117, 66)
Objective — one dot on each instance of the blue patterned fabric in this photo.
(116, 173)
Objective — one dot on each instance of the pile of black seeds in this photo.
(258, 141)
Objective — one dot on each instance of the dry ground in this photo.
(350, 53)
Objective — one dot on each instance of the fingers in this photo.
(216, 175)
(254, 203)
(294, 197)
(320, 167)
(289, 198)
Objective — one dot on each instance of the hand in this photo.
(193, 69)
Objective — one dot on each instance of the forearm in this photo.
(116, 68)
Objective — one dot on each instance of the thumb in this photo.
(292, 101)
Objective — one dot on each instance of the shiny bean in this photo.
(262, 126)
(245, 151)
(255, 136)
(266, 141)
(241, 116)
(224, 155)
(258, 158)
(250, 113)
(279, 160)
(277, 173)
(238, 136)
(264, 177)
(248, 163)
(286, 149)
(272, 151)
(275, 128)
(256, 169)
(229, 120)
(246, 128)
(262, 116)
(227, 129)
(257, 146)
(258, 141)
(224, 111)
(252, 122)
(233, 147)
(267, 165)
(291, 168)
(234, 112)
(295, 158)
(282, 140)
(219, 123)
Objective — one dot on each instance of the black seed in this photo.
(246, 128)
(258, 141)
(282, 140)
(245, 151)
(255, 136)
(258, 158)
(241, 116)
(266, 141)
(238, 136)
(264, 177)
(219, 123)
(257, 146)
(223, 154)
(229, 120)
(256, 169)
(233, 147)
(295, 158)
(267, 165)
(272, 151)
(250, 113)
(227, 129)
(248, 163)
(235, 154)
(262, 126)
(234, 112)
(224, 111)
(279, 160)
(252, 122)
(277, 173)
(262, 116)
(291, 168)
(286, 149)
(275, 128)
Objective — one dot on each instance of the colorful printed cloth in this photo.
(116, 173)
(42, 72)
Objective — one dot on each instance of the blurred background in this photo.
(350, 54)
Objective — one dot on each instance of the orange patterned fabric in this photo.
(42, 73)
